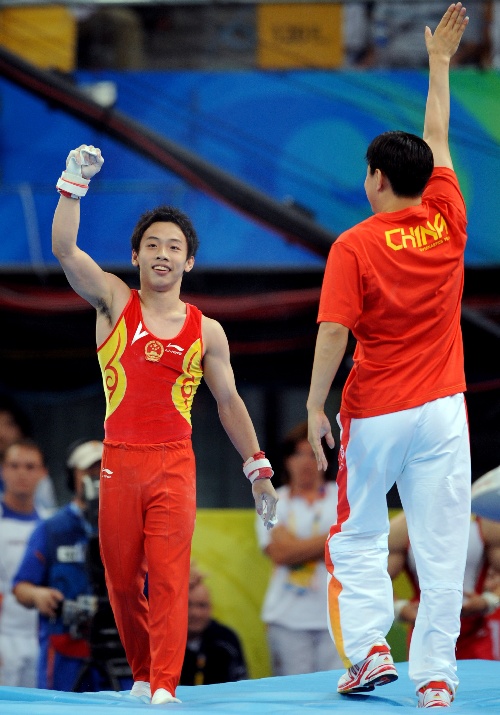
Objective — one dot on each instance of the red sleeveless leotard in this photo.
(149, 382)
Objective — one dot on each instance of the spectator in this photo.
(295, 603)
(494, 33)
(396, 40)
(492, 584)
(213, 651)
(53, 574)
(23, 468)
(357, 18)
(109, 37)
(480, 599)
(14, 425)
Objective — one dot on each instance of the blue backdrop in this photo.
(295, 135)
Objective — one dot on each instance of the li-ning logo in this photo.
(176, 349)
(421, 237)
(106, 473)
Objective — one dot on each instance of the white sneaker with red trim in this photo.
(376, 669)
(436, 694)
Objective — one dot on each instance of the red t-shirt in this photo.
(395, 280)
(149, 382)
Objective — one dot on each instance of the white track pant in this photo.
(426, 451)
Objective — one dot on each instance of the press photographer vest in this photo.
(66, 553)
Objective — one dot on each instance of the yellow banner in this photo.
(44, 36)
(300, 35)
(225, 549)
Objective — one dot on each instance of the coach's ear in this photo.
(380, 180)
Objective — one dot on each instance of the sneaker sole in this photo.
(428, 707)
(383, 679)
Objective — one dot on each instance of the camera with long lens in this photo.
(77, 615)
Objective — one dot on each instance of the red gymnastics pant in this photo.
(147, 506)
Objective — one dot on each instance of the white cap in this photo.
(85, 455)
(486, 495)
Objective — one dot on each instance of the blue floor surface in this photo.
(479, 693)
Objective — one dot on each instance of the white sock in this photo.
(140, 689)
(162, 696)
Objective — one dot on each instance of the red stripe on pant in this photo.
(147, 506)
(343, 512)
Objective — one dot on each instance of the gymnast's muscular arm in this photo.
(102, 290)
(219, 376)
(106, 292)
(233, 413)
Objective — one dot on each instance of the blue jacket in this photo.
(55, 557)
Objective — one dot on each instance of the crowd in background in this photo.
(48, 616)
(212, 36)
(389, 34)
(169, 36)
(376, 35)
(57, 629)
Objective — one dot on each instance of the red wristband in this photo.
(66, 194)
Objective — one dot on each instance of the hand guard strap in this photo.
(73, 185)
(257, 467)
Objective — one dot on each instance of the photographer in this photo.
(53, 576)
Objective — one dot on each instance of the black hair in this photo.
(27, 443)
(8, 404)
(166, 214)
(405, 159)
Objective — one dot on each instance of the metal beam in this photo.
(290, 222)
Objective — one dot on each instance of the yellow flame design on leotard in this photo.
(184, 388)
(113, 375)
